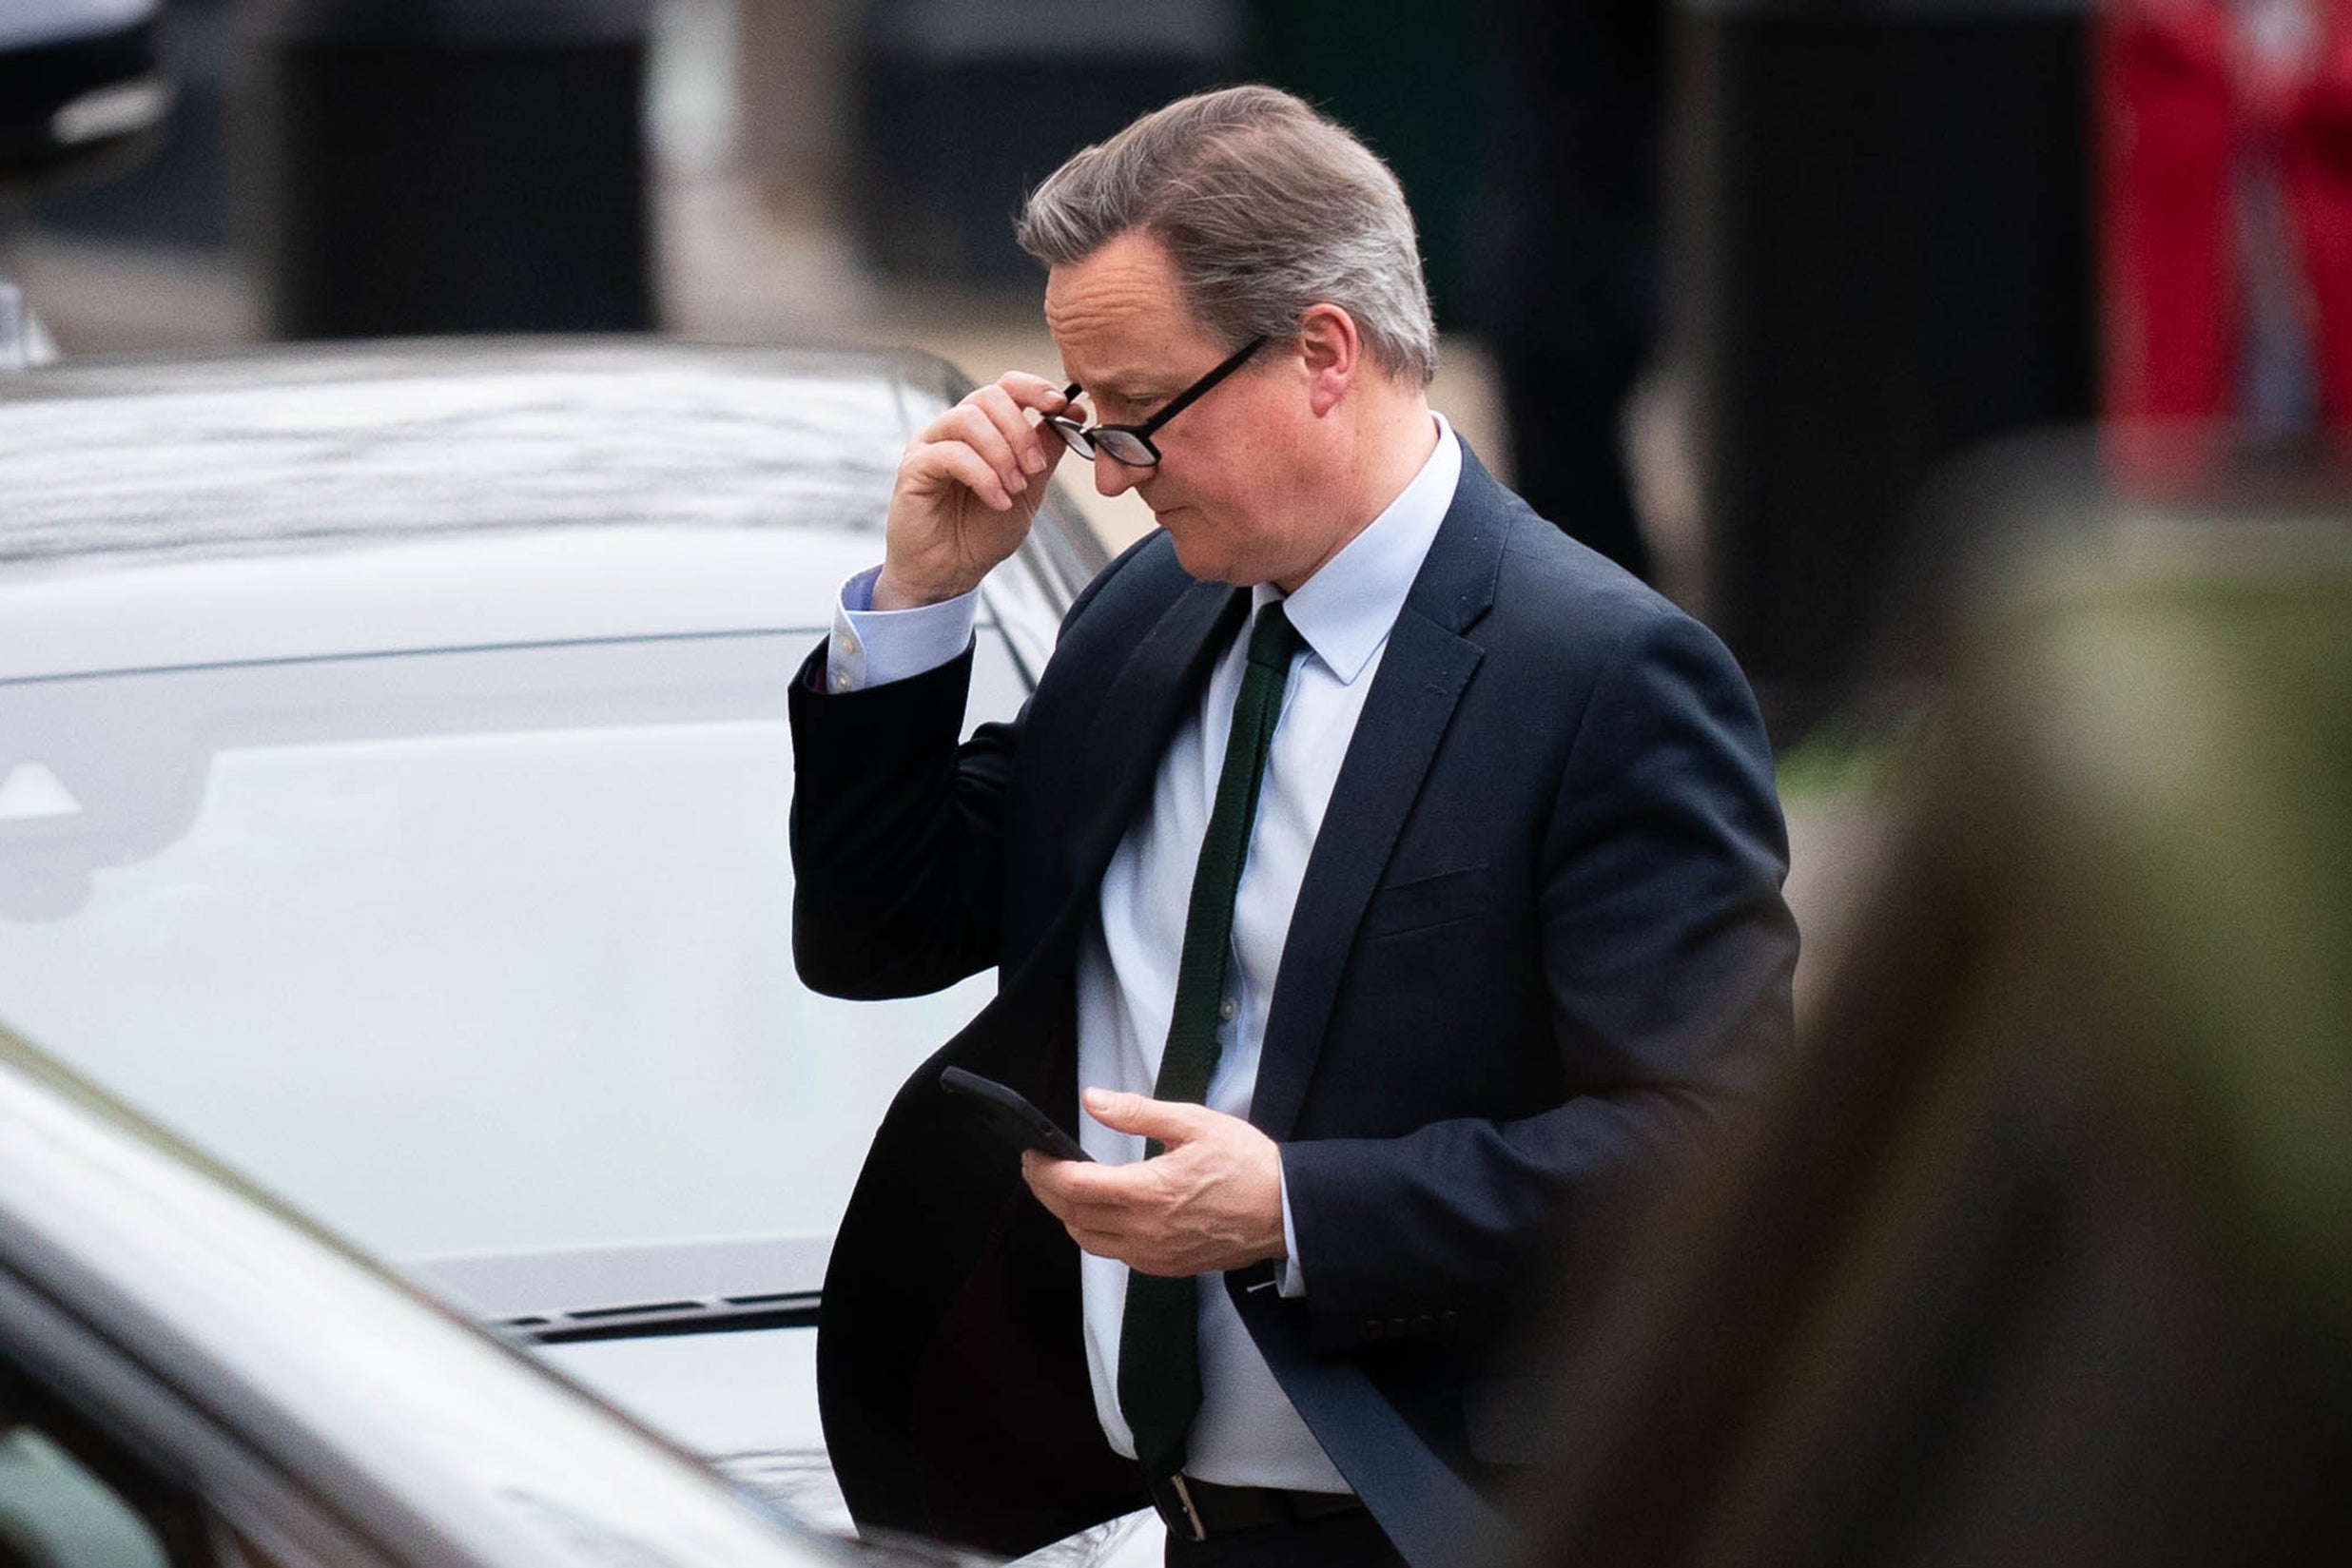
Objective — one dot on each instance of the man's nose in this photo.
(1112, 478)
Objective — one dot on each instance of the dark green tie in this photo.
(1159, 1339)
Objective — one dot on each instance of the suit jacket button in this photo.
(1372, 1328)
(1448, 1318)
(1399, 1326)
(1423, 1324)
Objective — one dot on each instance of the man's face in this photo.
(1232, 472)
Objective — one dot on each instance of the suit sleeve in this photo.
(1667, 952)
(899, 835)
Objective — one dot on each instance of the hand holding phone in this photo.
(1010, 1116)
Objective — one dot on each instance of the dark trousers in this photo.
(1335, 1541)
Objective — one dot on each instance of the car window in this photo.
(474, 954)
(68, 1496)
(54, 1511)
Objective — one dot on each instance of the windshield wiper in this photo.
(662, 1319)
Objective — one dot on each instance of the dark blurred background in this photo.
(1723, 280)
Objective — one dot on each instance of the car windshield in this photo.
(474, 955)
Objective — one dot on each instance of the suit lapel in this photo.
(1421, 679)
(1121, 757)
(1129, 736)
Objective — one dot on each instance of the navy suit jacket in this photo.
(1540, 947)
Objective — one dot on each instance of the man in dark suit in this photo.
(1406, 874)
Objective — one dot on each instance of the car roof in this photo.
(300, 502)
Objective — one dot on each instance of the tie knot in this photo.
(1273, 640)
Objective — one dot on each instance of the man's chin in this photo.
(1194, 553)
(1202, 569)
(1187, 544)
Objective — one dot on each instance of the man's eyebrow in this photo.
(1126, 391)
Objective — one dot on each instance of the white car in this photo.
(394, 779)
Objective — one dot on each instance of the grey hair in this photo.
(1265, 207)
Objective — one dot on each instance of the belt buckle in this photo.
(1184, 1500)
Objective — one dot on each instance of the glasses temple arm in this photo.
(1192, 394)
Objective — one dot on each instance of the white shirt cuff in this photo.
(875, 647)
(1292, 1279)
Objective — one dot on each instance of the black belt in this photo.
(1195, 1510)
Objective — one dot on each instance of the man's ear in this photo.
(1333, 352)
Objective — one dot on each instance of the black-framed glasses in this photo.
(1132, 444)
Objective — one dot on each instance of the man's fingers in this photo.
(988, 444)
(957, 461)
(1207, 1208)
(972, 424)
(1025, 440)
(1173, 1122)
(1084, 1184)
(1077, 1186)
(1032, 392)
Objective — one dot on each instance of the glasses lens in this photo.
(1126, 446)
(1073, 437)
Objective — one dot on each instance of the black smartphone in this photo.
(1011, 1116)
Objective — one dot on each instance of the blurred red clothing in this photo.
(2182, 100)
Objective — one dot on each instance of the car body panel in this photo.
(219, 488)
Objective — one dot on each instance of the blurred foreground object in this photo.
(1884, 236)
(193, 1374)
(2044, 1254)
(446, 165)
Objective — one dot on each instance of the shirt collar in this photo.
(1344, 612)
